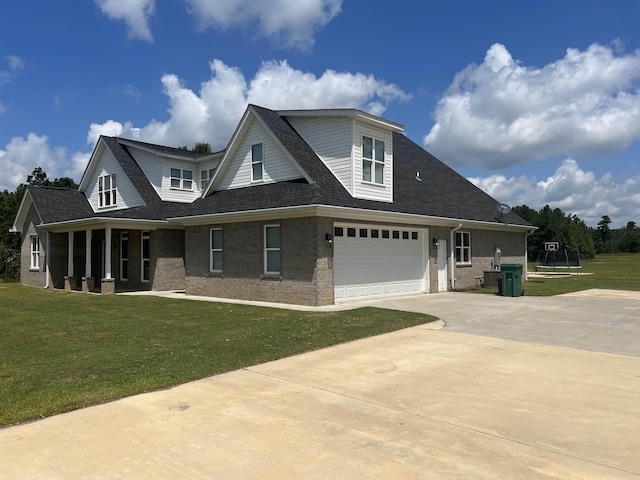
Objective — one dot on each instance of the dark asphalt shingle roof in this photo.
(442, 192)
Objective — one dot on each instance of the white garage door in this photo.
(374, 260)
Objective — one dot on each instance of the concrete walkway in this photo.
(414, 404)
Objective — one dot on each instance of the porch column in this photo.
(87, 279)
(107, 253)
(108, 283)
(69, 281)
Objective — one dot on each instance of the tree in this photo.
(202, 147)
(630, 241)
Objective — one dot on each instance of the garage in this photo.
(378, 260)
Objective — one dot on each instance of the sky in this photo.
(536, 102)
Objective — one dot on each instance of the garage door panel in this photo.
(369, 267)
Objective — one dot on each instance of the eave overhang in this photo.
(95, 223)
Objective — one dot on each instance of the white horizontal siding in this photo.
(277, 167)
(126, 194)
(151, 165)
(367, 190)
(331, 139)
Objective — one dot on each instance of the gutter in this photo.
(453, 255)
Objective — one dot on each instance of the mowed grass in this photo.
(608, 271)
(61, 351)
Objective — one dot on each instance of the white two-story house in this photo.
(303, 206)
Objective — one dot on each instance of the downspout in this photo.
(453, 256)
(526, 255)
(47, 250)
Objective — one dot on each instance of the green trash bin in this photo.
(511, 279)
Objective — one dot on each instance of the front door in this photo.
(442, 265)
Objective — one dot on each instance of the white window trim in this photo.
(124, 236)
(113, 191)
(272, 249)
(462, 248)
(373, 160)
(182, 180)
(260, 162)
(143, 237)
(212, 250)
(35, 252)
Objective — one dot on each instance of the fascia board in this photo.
(345, 112)
(102, 222)
(344, 213)
(97, 151)
(21, 214)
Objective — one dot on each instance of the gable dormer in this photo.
(105, 183)
(356, 146)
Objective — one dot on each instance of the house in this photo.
(303, 206)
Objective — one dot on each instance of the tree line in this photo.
(572, 233)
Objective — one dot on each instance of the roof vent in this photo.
(418, 177)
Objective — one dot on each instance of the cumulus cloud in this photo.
(212, 113)
(21, 155)
(571, 189)
(501, 112)
(135, 13)
(291, 23)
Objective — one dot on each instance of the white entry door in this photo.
(377, 260)
(442, 265)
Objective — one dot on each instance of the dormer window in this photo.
(107, 190)
(205, 176)
(256, 162)
(372, 160)
(181, 179)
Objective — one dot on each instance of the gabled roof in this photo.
(167, 151)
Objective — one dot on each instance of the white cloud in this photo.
(501, 112)
(212, 113)
(2, 108)
(135, 13)
(571, 189)
(290, 23)
(21, 156)
(15, 65)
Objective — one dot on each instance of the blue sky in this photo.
(537, 102)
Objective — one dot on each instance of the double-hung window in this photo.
(205, 176)
(216, 250)
(463, 247)
(181, 179)
(257, 163)
(35, 253)
(272, 249)
(372, 160)
(107, 190)
(145, 249)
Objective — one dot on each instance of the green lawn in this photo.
(60, 351)
(610, 271)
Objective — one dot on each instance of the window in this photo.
(205, 176)
(272, 249)
(181, 179)
(463, 247)
(405, 235)
(372, 160)
(124, 255)
(396, 234)
(385, 233)
(107, 190)
(363, 233)
(256, 162)
(35, 253)
(374, 233)
(338, 232)
(216, 250)
(351, 232)
(146, 260)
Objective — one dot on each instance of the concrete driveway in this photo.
(414, 404)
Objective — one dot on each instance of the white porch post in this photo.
(70, 259)
(87, 258)
(107, 253)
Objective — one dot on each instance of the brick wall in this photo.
(306, 262)
(167, 248)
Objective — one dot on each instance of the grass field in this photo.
(610, 271)
(60, 351)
